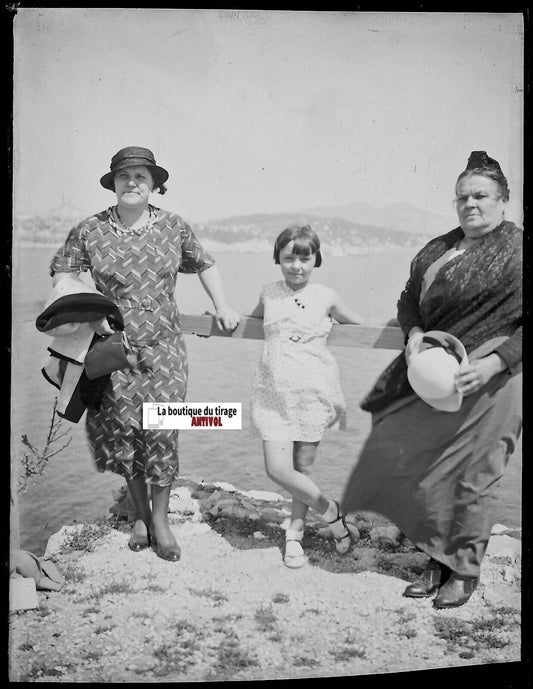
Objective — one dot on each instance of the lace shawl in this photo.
(476, 296)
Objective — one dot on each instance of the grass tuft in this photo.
(304, 661)
(407, 622)
(265, 618)
(86, 537)
(470, 637)
(216, 596)
(178, 654)
(231, 658)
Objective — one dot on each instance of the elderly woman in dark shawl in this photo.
(434, 473)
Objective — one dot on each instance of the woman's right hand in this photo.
(415, 335)
(102, 327)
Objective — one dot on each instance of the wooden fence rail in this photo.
(388, 336)
(367, 336)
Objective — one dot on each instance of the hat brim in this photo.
(451, 403)
(108, 180)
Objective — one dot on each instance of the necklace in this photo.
(118, 223)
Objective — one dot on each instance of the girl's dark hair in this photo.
(491, 173)
(306, 242)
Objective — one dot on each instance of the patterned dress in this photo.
(296, 392)
(138, 270)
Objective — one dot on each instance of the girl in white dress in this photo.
(296, 392)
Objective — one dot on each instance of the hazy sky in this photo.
(265, 111)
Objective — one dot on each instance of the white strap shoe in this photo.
(294, 556)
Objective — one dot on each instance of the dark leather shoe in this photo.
(137, 543)
(456, 591)
(172, 552)
(432, 577)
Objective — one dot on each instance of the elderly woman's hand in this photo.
(227, 319)
(478, 372)
(415, 335)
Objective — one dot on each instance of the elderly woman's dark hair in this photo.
(306, 242)
(479, 163)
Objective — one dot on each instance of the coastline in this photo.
(230, 609)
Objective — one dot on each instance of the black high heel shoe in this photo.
(171, 553)
(138, 543)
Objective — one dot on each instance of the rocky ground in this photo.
(230, 609)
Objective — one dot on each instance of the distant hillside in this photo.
(243, 233)
(400, 217)
(337, 234)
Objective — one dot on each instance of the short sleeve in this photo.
(72, 257)
(194, 258)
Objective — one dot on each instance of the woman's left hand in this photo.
(478, 372)
(227, 319)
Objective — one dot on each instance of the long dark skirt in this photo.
(434, 473)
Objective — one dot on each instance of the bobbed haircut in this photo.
(306, 242)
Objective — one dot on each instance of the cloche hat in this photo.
(432, 368)
(130, 156)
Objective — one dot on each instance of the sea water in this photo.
(220, 370)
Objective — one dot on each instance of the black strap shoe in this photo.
(432, 577)
(456, 591)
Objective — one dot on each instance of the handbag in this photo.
(109, 353)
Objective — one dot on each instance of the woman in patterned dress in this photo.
(434, 473)
(134, 252)
(296, 392)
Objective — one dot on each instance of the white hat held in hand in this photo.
(432, 369)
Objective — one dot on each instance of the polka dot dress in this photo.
(296, 392)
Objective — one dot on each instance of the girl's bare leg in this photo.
(281, 470)
(279, 465)
(303, 459)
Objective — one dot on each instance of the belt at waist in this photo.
(144, 304)
(276, 340)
